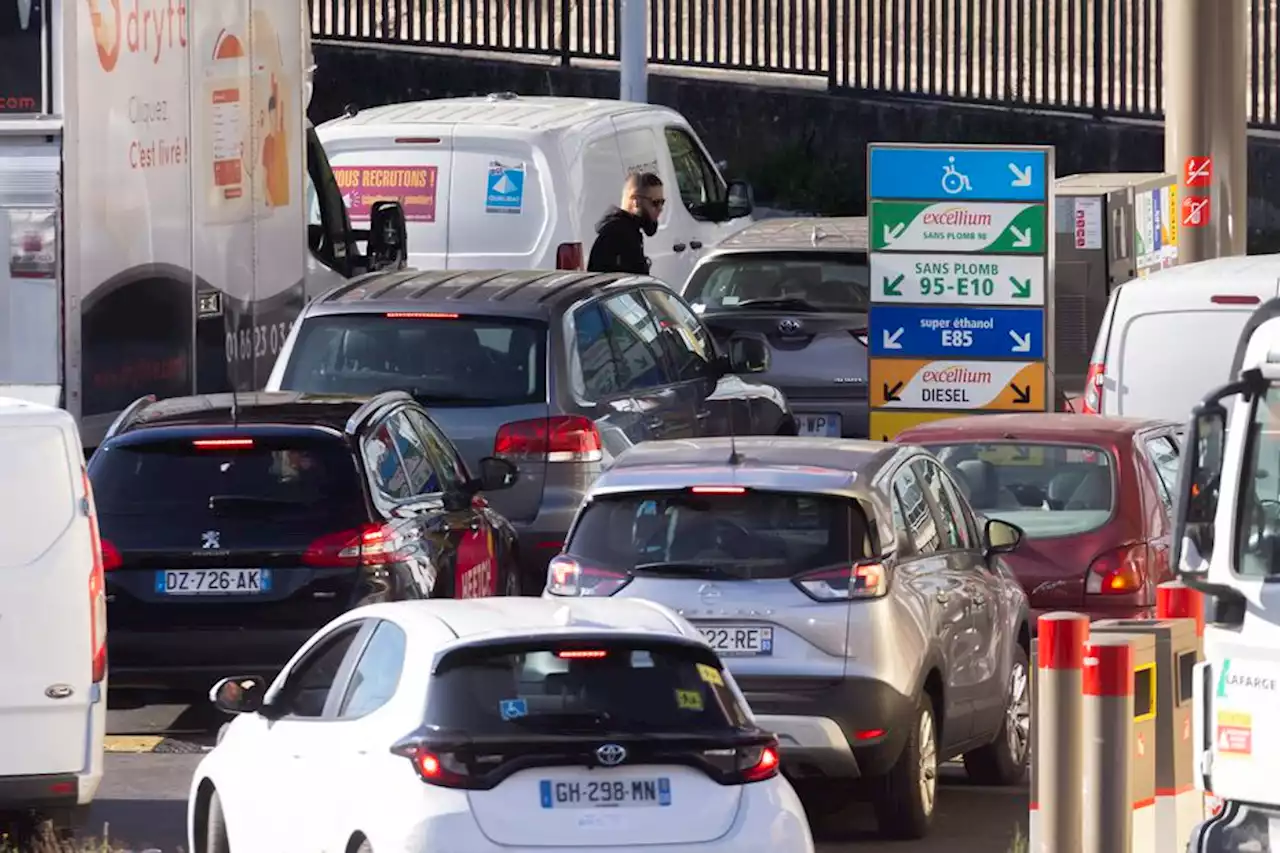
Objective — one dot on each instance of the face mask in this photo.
(648, 226)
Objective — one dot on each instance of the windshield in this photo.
(1046, 489)
(608, 687)
(1257, 546)
(826, 281)
(749, 536)
(442, 360)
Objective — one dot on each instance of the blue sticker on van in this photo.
(512, 709)
(504, 189)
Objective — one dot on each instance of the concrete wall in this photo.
(802, 148)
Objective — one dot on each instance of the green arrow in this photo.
(1021, 289)
(891, 287)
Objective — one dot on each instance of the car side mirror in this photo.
(497, 474)
(388, 236)
(1196, 502)
(240, 695)
(748, 355)
(742, 200)
(1000, 537)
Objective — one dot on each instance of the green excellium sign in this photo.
(957, 226)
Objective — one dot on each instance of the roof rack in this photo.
(129, 416)
(372, 406)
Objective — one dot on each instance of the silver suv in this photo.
(557, 372)
(858, 600)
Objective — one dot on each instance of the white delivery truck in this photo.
(1227, 545)
(169, 206)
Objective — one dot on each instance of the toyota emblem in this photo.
(611, 754)
(789, 326)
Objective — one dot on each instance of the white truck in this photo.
(1227, 546)
(169, 205)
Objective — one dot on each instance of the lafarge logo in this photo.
(1228, 679)
(144, 27)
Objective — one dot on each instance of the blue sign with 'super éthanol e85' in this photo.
(963, 174)
(913, 331)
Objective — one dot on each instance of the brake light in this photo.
(718, 490)
(745, 764)
(569, 256)
(861, 580)
(110, 556)
(1233, 299)
(420, 315)
(222, 443)
(563, 438)
(567, 577)
(1119, 572)
(1093, 388)
(417, 140)
(582, 654)
(443, 769)
(370, 545)
(97, 587)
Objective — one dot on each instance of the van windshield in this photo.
(442, 359)
(1257, 546)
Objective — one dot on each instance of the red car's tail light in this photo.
(745, 764)
(1123, 571)
(569, 256)
(97, 588)
(1093, 383)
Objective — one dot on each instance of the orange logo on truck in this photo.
(141, 27)
(106, 32)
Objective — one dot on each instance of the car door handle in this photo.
(943, 597)
(678, 247)
(695, 244)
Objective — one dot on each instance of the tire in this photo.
(1004, 760)
(905, 798)
(215, 831)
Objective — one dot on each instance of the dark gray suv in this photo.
(557, 372)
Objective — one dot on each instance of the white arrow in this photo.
(1021, 239)
(891, 341)
(891, 234)
(1021, 177)
(1021, 343)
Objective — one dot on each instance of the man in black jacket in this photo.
(619, 245)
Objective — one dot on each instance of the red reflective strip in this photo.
(1062, 637)
(1142, 804)
(1175, 600)
(1108, 669)
(1175, 792)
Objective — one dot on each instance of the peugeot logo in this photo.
(611, 754)
(789, 326)
(709, 592)
(210, 539)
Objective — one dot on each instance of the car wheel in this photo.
(1004, 760)
(905, 797)
(215, 828)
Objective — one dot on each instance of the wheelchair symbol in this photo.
(952, 181)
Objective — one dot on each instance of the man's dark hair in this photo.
(640, 181)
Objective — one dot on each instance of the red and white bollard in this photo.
(1059, 736)
(1176, 600)
(1108, 745)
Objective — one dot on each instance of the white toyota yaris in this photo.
(495, 724)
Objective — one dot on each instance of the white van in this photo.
(519, 183)
(1227, 546)
(53, 654)
(1168, 338)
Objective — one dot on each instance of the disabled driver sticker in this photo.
(513, 709)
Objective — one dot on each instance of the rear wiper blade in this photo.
(422, 395)
(252, 501)
(565, 720)
(677, 568)
(792, 303)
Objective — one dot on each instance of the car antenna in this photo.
(735, 458)
(235, 372)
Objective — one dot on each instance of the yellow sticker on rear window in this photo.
(689, 700)
(710, 674)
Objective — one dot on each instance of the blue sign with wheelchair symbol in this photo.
(963, 174)
(504, 189)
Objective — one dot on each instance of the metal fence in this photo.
(1103, 57)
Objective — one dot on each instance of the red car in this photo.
(1092, 495)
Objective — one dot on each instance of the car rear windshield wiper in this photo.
(677, 569)
(566, 721)
(422, 395)
(788, 303)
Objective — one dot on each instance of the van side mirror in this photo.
(1000, 537)
(388, 236)
(742, 200)
(1199, 477)
(242, 695)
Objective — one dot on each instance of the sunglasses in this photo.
(659, 203)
